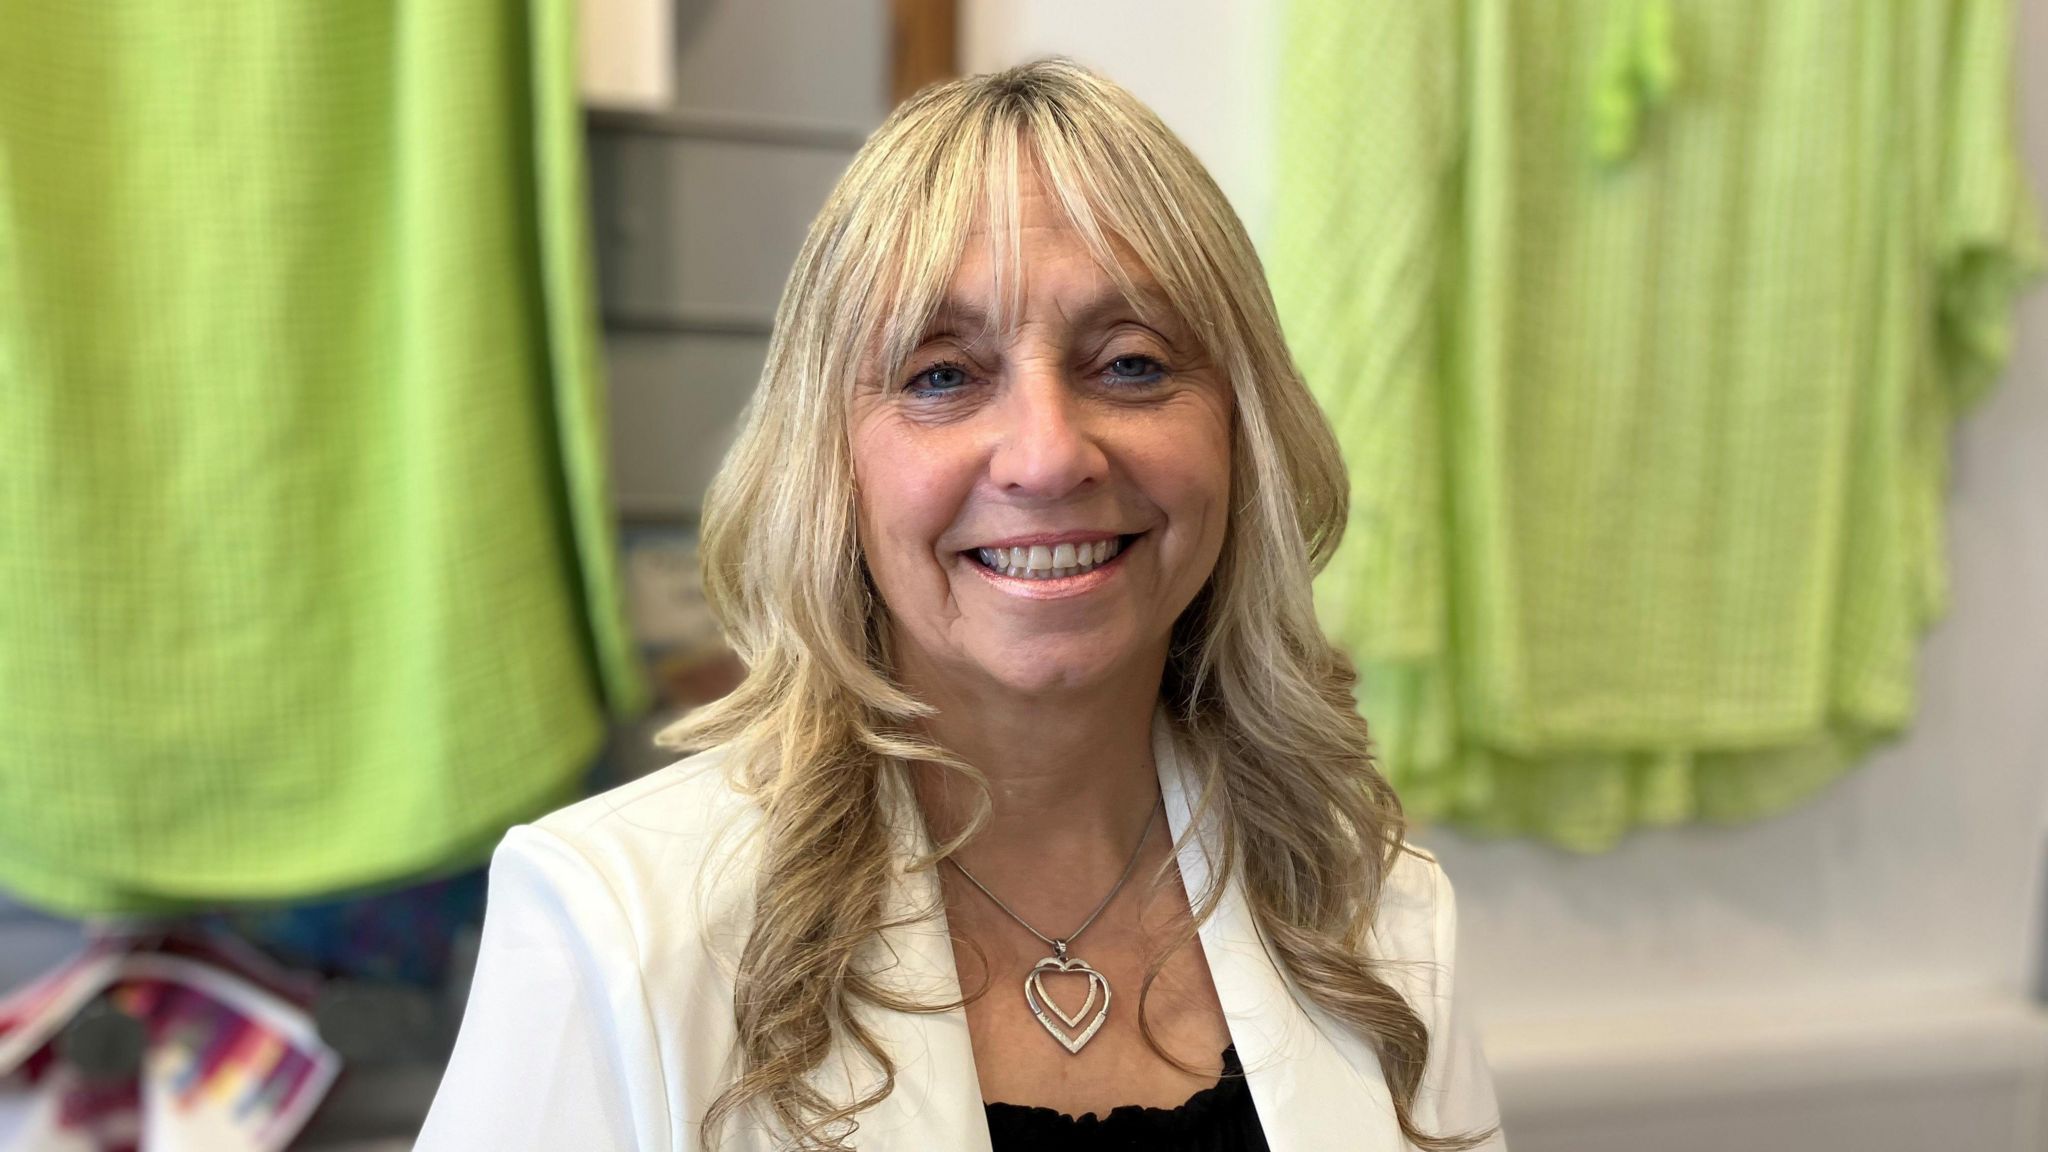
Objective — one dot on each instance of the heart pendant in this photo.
(1040, 1002)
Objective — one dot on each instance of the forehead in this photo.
(1031, 255)
(967, 229)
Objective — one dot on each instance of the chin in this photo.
(1052, 669)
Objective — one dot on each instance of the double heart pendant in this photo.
(1041, 1003)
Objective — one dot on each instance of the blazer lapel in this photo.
(937, 1100)
(1316, 1083)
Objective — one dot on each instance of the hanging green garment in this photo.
(1644, 326)
(306, 565)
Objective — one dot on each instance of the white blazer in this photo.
(601, 1016)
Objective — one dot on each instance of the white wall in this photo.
(1920, 874)
(1203, 65)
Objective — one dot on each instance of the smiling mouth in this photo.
(1050, 561)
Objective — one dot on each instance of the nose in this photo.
(1045, 446)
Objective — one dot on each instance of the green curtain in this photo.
(307, 576)
(1644, 327)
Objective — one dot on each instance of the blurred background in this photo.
(361, 374)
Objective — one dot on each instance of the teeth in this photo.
(1047, 562)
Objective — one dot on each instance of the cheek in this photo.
(1202, 491)
(908, 496)
(1193, 474)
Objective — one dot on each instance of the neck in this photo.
(1067, 772)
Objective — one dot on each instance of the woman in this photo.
(1044, 795)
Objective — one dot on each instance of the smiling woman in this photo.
(1082, 421)
(1016, 544)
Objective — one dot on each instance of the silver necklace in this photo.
(1098, 985)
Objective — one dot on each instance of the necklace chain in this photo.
(1060, 946)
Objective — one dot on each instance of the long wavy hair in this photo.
(1261, 704)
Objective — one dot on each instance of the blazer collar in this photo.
(1315, 1082)
(936, 1102)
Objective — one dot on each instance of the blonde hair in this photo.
(1260, 702)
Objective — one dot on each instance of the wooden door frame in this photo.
(924, 43)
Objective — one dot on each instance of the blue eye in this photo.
(1135, 369)
(936, 379)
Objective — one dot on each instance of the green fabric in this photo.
(307, 581)
(1644, 327)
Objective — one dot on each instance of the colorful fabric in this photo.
(159, 1044)
(1644, 326)
(307, 580)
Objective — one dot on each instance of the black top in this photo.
(1219, 1119)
